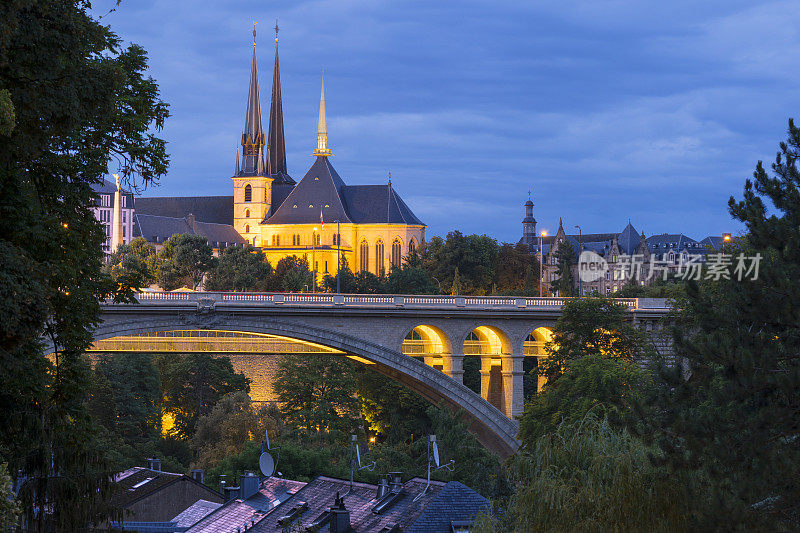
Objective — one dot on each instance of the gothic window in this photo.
(326, 267)
(396, 253)
(247, 213)
(248, 193)
(336, 239)
(315, 239)
(364, 256)
(412, 246)
(277, 240)
(379, 257)
(247, 228)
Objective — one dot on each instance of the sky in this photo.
(608, 110)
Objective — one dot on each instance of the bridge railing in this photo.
(379, 300)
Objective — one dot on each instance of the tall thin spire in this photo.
(236, 172)
(253, 137)
(276, 143)
(322, 129)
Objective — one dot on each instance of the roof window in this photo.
(141, 483)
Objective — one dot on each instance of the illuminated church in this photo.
(271, 211)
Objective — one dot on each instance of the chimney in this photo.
(154, 464)
(397, 481)
(383, 488)
(230, 493)
(190, 221)
(197, 475)
(340, 516)
(249, 484)
(222, 483)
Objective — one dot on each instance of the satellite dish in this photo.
(435, 454)
(266, 464)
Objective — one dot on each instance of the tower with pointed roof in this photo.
(252, 182)
(529, 225)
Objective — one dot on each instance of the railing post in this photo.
(338, 299)
(278, 298)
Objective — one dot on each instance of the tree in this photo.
(392, 411)
(291, 274)
(225, 431)
(73, 98)
(607, 386)
(183, 261)
(134, 264)
(455, 287)
(192, 384)
(240, 268)
(347, 280)
(590, 476)
(593, 326)
(475, 256)
(409, 280)
(515, 264)
(317, 394)
(565, 256)
(736, 416)
(9, 507)
(133, 382)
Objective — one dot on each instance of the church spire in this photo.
(276, 143)
(322, 129)
(253, 137)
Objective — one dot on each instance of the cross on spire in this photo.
(277, 29)
(254, 32)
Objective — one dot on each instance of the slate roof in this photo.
(137, 483)
(110, 188)
(217, 209)
(320, 494)
(454, 503)
(235, 513)
(713, 241)
(195, 512)
(158, 229)
(628, 240)
(323, 188)
(659, 244)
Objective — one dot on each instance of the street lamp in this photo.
(541, 261)
(580, 249)
(313, 261)
(338, 261)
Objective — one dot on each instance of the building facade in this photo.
(320, 218)
(109, 196)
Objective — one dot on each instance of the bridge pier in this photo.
(512, 385)
(453, 366)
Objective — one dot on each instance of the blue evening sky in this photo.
(608, 110)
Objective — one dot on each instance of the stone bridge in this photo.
(420, 341)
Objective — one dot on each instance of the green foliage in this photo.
(134, 264)
(127, 387)
(232, 423)
(455, 286)
(736, 417)
(409, 280)
(191, 385)
(394, 413)
(605, 385)
(671, 288)
(589, 476)
(318, 394)
(9, 507)
(292, 274)
(474, 256)
(240, 268)
(565, 257)
(183, 261)
(591, 326)
(516, 270)
(73, 108)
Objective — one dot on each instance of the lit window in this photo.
(247, 213)
(364, 256)
(379, 257)
(396, 253)
(247, 228)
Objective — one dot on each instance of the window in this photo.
(247, 228)
(276, 240)
(248, 193)
(412, 246)
(247, 213)
(123, 217)
(379, 257)
(363, 262)
(396, 253)
(326, 267)
(337, 239)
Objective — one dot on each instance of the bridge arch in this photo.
(492, 428)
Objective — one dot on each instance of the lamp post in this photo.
(338, 260)
(541, 261)
(580, 249)
(313, 261)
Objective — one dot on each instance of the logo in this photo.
(591, 266)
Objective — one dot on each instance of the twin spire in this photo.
(265, 155)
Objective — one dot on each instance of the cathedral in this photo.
(320, 217)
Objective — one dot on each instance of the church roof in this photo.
(157, 229)
(628, 240)
(217, 209)
(275, 140)
(323, 189)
